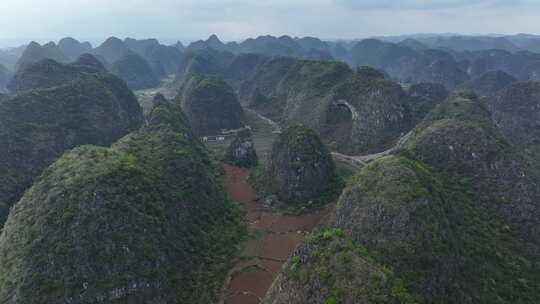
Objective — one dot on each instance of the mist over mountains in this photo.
(447, 59)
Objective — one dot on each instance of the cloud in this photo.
(432, 4)
(406, 4)
(237, 19)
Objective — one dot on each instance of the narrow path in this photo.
(276, 127)
(273, 238)
(357, 161)
(360, 161)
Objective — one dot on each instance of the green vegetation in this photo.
(210, 105)
(48, 73)
(34, 53)
(424, 97)
(135, 71)
(146, 220)
(36, 127)
(443, 213)
(301, 171)
(515, 112)
(448, 225)
(345, 271)
(489, 83)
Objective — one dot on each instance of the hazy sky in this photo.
(237, 19)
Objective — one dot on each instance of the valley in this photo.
(272, 238)
(273, 169)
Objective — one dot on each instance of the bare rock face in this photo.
(301, 168)
(210, 105)
(516, 111)
(144, 221)
(241, 151)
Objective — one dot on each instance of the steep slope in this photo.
(241, 152)
(453, 214)
(516, 64)
(242, 68)
(38, 126)
(445, 72)
(353, 111)
(329, 268)
(413, 44)
(489, 83)
(166, 57)
(73, 48)
(301, 170)
(48, 73)
(424, 97)
(5, 77)
(112, 49)
(8, 59)
(397, 60)
(210, 105)
(135, 71)
(515, 111)
(140, 46)
(408, 64)
(212, 42)
(312, 43)
(145, 221)
(89, 60)
(206, 62)
(35, 52)
(164, 60)
(306, 47)
(531, 71)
